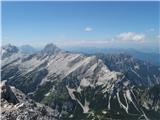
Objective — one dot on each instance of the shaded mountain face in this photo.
(153, 58)
(141, 73)
(77, 86)
(50, 49)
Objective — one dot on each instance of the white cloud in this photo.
(131, 36)
(126, 37)
(88, 29)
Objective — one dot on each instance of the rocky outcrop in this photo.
(7, 94)
(8, 50)
(50, 49)
(16, 106)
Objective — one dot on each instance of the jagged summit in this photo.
(50, 49)
(8, 50)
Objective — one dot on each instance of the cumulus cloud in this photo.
(126, 37)
(88, 29)
(131, 36)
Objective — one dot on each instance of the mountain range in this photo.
(79, 86)
(152, 57)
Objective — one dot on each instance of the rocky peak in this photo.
(8, 50)
(50, 49)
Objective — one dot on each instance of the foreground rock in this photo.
(16, 106)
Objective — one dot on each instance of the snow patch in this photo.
(104, 112)
(85, 107)
(84, 83)
(136, 67)
(121, 104)
(136, 73)
(47, 94)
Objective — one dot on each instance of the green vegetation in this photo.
(48, 98)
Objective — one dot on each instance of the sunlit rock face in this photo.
(79, 87)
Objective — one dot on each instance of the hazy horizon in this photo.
(82, 24)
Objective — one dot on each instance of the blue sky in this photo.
(90, 24)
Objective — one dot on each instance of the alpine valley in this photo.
(53, 84)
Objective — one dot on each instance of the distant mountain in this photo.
(153, 58)
(50, 49)
(28, 49)
(85, 87)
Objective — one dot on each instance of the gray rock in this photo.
(16, 108)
